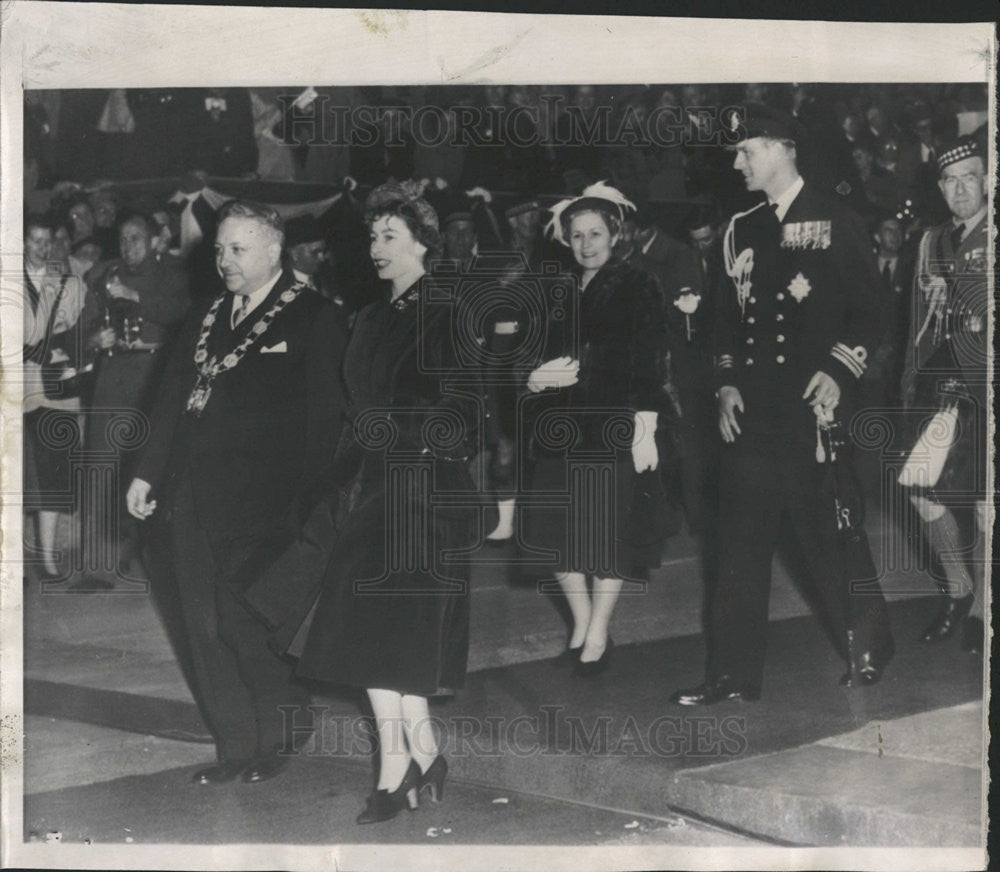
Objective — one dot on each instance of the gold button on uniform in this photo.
(781, 296)
(780, 358)
(749, 361)
(749, 340)
(779, 317)
(781, 338)
(751, 320)
(752, 300)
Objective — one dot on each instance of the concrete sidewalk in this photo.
(911, 781)
(111, 729)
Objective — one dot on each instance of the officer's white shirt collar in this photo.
(256, 297)
(784, 201)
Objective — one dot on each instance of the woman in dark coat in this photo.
(593, 427)
(394, 614)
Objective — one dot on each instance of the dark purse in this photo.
(652, 518)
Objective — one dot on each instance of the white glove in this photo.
(644, 454)
(137, 499)
(559, 373)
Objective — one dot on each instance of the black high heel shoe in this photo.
(434, 777)
(595, 667)
(384, 805)
(569, 655)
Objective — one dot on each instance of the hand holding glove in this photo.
(559, 373)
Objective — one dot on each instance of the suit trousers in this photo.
(766, 487)
(241, 684)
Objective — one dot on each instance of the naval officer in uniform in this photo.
(796, 319)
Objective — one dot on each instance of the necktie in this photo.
(887, 274)
(956, 237)
(241, 311)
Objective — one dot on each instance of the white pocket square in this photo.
(280, 348)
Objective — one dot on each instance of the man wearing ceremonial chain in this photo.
(247, 418)
(796, 319)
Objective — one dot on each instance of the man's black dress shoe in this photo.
(866, 667)
(864, 672)
(220, 773)
(264, 768)
(973, 635)
(946, 622)
(722, 689)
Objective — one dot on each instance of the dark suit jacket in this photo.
(268, 431)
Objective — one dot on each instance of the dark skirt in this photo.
(394, 610)
(50, 436)
(595, 516)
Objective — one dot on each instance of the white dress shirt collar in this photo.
(784, 201)
(256, 297)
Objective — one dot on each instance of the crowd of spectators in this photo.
(97, 162)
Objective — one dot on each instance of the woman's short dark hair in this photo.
(424, 233)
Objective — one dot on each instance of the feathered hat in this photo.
(597, 196)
